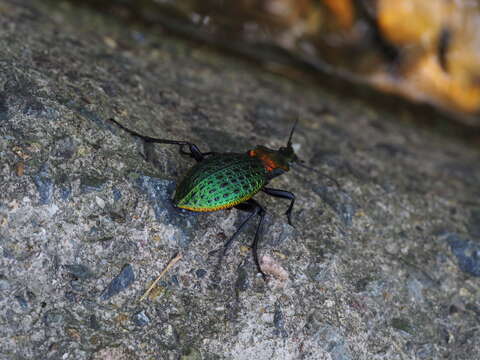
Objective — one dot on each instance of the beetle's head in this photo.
(276, 162)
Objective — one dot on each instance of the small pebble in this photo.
(140, 318)
(120, 283)
(467, 253)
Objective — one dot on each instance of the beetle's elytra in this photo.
(220, 182)
(224, 180)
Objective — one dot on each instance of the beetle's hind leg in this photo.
(253, 212)
(193, 152)
(256, 240)
(253, 208)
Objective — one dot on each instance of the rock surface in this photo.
(385, 267)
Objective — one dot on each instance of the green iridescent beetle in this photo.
(224, 180)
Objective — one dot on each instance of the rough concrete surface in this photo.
(385, 267)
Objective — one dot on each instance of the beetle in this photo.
(225, 180)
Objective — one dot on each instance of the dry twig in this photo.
(170, 264)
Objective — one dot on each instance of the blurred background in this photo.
(424, 52)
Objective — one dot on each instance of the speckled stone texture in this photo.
(384, 267)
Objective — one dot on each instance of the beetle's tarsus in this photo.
(289, 217)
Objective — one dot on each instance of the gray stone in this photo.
(467, 253)
(140, 318)
(79, 271)
(122, 281)
(44, 184)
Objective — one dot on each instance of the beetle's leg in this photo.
(194, 150)
(254, 208)
(256, 240)
(285, 195)
(252, 212)
(194, 154)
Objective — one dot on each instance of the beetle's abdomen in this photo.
(220, 181)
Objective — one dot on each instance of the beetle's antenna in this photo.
(301, 164)
(289, 143)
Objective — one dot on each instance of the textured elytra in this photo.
(220, 181)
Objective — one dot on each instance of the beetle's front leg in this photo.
(284, 195)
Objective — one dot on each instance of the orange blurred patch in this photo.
(343, 11)
(415, 27)
(412, 22)
(450, 88)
